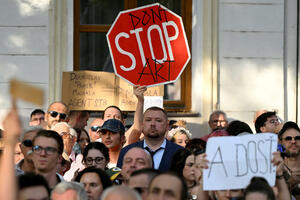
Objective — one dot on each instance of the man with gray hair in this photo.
(68, 135)
(26, 164)
(218, 123)
(218, 120)
(120, 192)
(69, 191)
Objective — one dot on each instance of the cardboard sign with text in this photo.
(92, 90)
(236, 159)
(26, 92)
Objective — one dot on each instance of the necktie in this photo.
(152, 153)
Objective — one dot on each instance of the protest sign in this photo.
(148, 45)
(234, 160)
(26, 92)
(151, 101)
(91, 90)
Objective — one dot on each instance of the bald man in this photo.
(136, 158)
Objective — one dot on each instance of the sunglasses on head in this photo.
(95, 128)
(27, 143)
(54, 114)
(290, 138)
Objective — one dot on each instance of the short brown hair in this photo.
(155, 108)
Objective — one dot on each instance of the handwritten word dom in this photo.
(253, 157)
(148, 33)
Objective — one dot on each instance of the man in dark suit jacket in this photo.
(155, 125)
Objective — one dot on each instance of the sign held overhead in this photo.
(148, 45)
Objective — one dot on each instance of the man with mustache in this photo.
(218, 123)
(289, 137)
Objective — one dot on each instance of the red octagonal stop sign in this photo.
(148, 45)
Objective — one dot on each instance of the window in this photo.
(92, 20)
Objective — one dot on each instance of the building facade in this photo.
(244, 53)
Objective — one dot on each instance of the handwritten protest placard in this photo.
(234, 160)
(148, 45)
(91, 90)
(26, 92)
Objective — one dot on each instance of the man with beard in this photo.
(57, 112)
(289, 137)
(218, 123)
(155, 125)
(218, 120)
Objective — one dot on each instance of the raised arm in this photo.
(134, 132)
(283, 190)
(12, 130)
(201, 163)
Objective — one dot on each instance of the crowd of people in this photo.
(155, 158)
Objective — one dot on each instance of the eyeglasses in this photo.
(54, 114)
(65, 134)
(274, 121)
(48, 150)
(98, 160)
(37, 119)
(95, 128)
(27, 143)
(219, 121)
(290, 138)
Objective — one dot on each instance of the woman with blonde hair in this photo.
(179, 136)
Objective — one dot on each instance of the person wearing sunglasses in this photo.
(26, 164)
(94, 128)
(57, 112)
(289, 137)
(47, 150)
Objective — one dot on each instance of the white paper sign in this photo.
(234, 160)
(150, 101)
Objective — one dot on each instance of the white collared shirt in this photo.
(158, 155)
